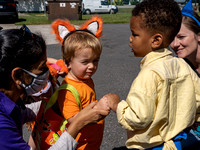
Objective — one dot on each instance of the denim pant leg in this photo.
(192, 142)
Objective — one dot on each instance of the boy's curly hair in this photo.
(160, 16)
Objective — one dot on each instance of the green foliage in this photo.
(134, 2)
(118, 2)
(32, 18)
(108, 1)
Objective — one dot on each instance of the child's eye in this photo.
(133, 34)
(84, 62)
(96, 60)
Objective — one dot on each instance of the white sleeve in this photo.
(31, 111)
(65, 142)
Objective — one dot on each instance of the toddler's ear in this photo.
(157, 41)
(61, 28)
(94, 25)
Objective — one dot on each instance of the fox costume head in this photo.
(63, 28)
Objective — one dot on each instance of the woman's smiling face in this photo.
(185, 43)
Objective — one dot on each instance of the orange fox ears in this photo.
(94, 25)
(63, 27)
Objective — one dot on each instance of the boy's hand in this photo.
(102, 104)
(112, 100)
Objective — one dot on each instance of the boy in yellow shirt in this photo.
(163, 98)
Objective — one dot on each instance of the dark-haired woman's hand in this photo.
(86, 116)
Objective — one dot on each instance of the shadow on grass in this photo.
(10, 20)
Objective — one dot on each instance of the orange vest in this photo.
(90, 137)
(49, 125)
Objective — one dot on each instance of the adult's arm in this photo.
(65, 142)
(10, 137)
(86, 116)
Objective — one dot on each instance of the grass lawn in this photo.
(123, 16)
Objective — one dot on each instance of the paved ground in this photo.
(45, 30)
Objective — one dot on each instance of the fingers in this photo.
(102, 104)
(113, 100)
(91, 105)
(93, 115)
(98, 112)
(103, 112)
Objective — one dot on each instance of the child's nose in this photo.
(130, 39)
(91, 65)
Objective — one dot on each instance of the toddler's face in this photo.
(83, 65)
(140, 40)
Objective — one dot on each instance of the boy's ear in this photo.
(157, 41)
(69, 66)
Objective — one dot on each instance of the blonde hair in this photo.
(78, 41)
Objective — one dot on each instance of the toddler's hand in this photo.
(102, 104)
(112, 100)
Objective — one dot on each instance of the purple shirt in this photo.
(11, 123)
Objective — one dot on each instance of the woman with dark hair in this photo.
(23, 72)
(186, 45)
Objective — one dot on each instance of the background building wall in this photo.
(31, 5)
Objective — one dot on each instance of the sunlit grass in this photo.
(123, 16)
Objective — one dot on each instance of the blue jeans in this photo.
(177, 142)
(193, 139)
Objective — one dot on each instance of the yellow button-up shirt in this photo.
(161, 103)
